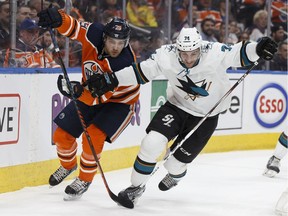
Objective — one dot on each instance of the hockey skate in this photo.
(132, 193)
(60, 174)
(76, 189)
(272, 167)
(167, 183)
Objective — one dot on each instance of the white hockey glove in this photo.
(63, 87)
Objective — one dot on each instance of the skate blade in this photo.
(269, 173)
(51, 186)
(69, 197)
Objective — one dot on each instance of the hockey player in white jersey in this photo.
(196, 71)
(281, 149)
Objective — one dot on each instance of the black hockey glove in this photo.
(49, 18)
(100, 84)
(266, 48)
(63, 87)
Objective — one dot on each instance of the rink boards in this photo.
(30, 100)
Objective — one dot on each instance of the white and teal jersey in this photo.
(195, 90)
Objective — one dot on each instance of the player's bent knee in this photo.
(152, 146)
(174, 166)
(61, 136)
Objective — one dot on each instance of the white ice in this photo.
(218, 184)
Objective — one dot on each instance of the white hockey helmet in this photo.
(188, 39)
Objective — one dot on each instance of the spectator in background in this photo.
(206, 11)
(4, 25)
(277, 33)
(209, 13)
(246, 10)
(208, 30)
(156, 40)
(38, 5)
(181, 13)
(222, 10)
(138, 42)
(244, 36)
(204, 4)
(160, 11)
(260, 25)
(235, 28)
(279, 62)
(46, 42)
(139, 14)
(74, 53)
(231, 37)
(28, 53)
(279, 17)
(33, 14)
(105, 17)
(112, 7)
(88, 9)
(23, 12)
(60, 3)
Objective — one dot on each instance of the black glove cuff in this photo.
(266, 48)
(77, 89)
(50, 17)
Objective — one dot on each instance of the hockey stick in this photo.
(125, 203)
(212, 109)
(192, 130)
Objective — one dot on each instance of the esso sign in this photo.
(270, 105)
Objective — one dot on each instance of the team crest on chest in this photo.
(91, 67)
(194, 90)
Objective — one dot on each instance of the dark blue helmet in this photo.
(117, 28)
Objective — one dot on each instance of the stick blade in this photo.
(122, 201)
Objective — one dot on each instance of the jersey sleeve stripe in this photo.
(141, 78)
(243, 55)
(67, 25)
(74, 29)
(126, 94)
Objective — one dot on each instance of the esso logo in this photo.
(270, 105)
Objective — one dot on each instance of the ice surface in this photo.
(218, 184)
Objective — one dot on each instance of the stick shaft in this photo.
(83, 124)
(192, 130)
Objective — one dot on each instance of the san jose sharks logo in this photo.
(170, 48)
(193, 91)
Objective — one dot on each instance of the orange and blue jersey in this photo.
(91, 37)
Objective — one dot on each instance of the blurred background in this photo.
(153, 23)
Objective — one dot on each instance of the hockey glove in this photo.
(63, 87)
(49, 18)
(100, 84)
(266, 48)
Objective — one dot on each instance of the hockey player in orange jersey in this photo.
(105, 48)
